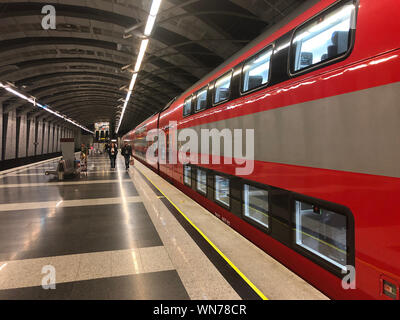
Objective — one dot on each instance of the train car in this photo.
(322, 95)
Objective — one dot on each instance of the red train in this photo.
(322, 95)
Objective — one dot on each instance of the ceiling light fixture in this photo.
(32, 100)
(155, 6)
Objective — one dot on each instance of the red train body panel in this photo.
(369, 185)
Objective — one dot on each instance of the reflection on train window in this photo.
(256, 71)
(187, 175)
(255, 205)
(222, 190)
(223, 88)
(323, 39)
(201, 99)
(201, 181)
(322, 232)
(187, 107)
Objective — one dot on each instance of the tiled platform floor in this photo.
(108, 235)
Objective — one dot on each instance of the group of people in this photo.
(112, 150)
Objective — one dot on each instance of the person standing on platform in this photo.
(84, 153)
(127, 153)
(113, 151)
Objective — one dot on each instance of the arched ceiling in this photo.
(76, 68)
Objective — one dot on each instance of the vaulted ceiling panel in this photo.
(78, 67)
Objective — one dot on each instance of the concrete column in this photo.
(46, 138)
(56, 138)
(11, 140)
(59, 137)
(53, 138)
(39, 146)
(32, 138)
(22, 136)
(1, 131)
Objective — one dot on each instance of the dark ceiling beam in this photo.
(49, 76)
(72, 84)
(42, 76)
(207, 13)
(71, 97)
(152, 56)
(197, 41)
(78, 91)
(20, 9)
(12, 44)
(81, 102)
(273, 6)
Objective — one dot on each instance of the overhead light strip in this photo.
(44, 107)
(155, 6)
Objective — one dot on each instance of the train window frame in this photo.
(220, 203)
(184, 175)
(243, 93)
(327, 62)
(191, 97)
(215, 86)
(350, 232)
(197, 181)
(205, 88)
(254, 222)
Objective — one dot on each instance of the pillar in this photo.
(22, 136)
(53, 137)
(11, 136)
(39, 137)
(46, 138)
(56, 137)
(1, 131)
(32, 137)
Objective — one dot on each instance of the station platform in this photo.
(131, 235)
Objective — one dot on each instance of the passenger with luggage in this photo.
(113, 151)
(126, 151)
(84, 154)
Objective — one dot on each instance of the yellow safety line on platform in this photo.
(262, 296)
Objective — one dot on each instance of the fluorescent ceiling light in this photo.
(46, 108)
(132, 84)
(142, 51)
(155, 6)
(18, 94)
(149, 25)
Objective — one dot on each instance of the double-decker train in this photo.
(322, 94)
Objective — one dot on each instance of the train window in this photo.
(201, 180)
(187, 107)
(322, 232)
(256, 70)
(222, 190)
(324, 38)
(187, 175)
(255, 205)
(222, 89)
(201, 101)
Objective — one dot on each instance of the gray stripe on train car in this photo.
(356, 132)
